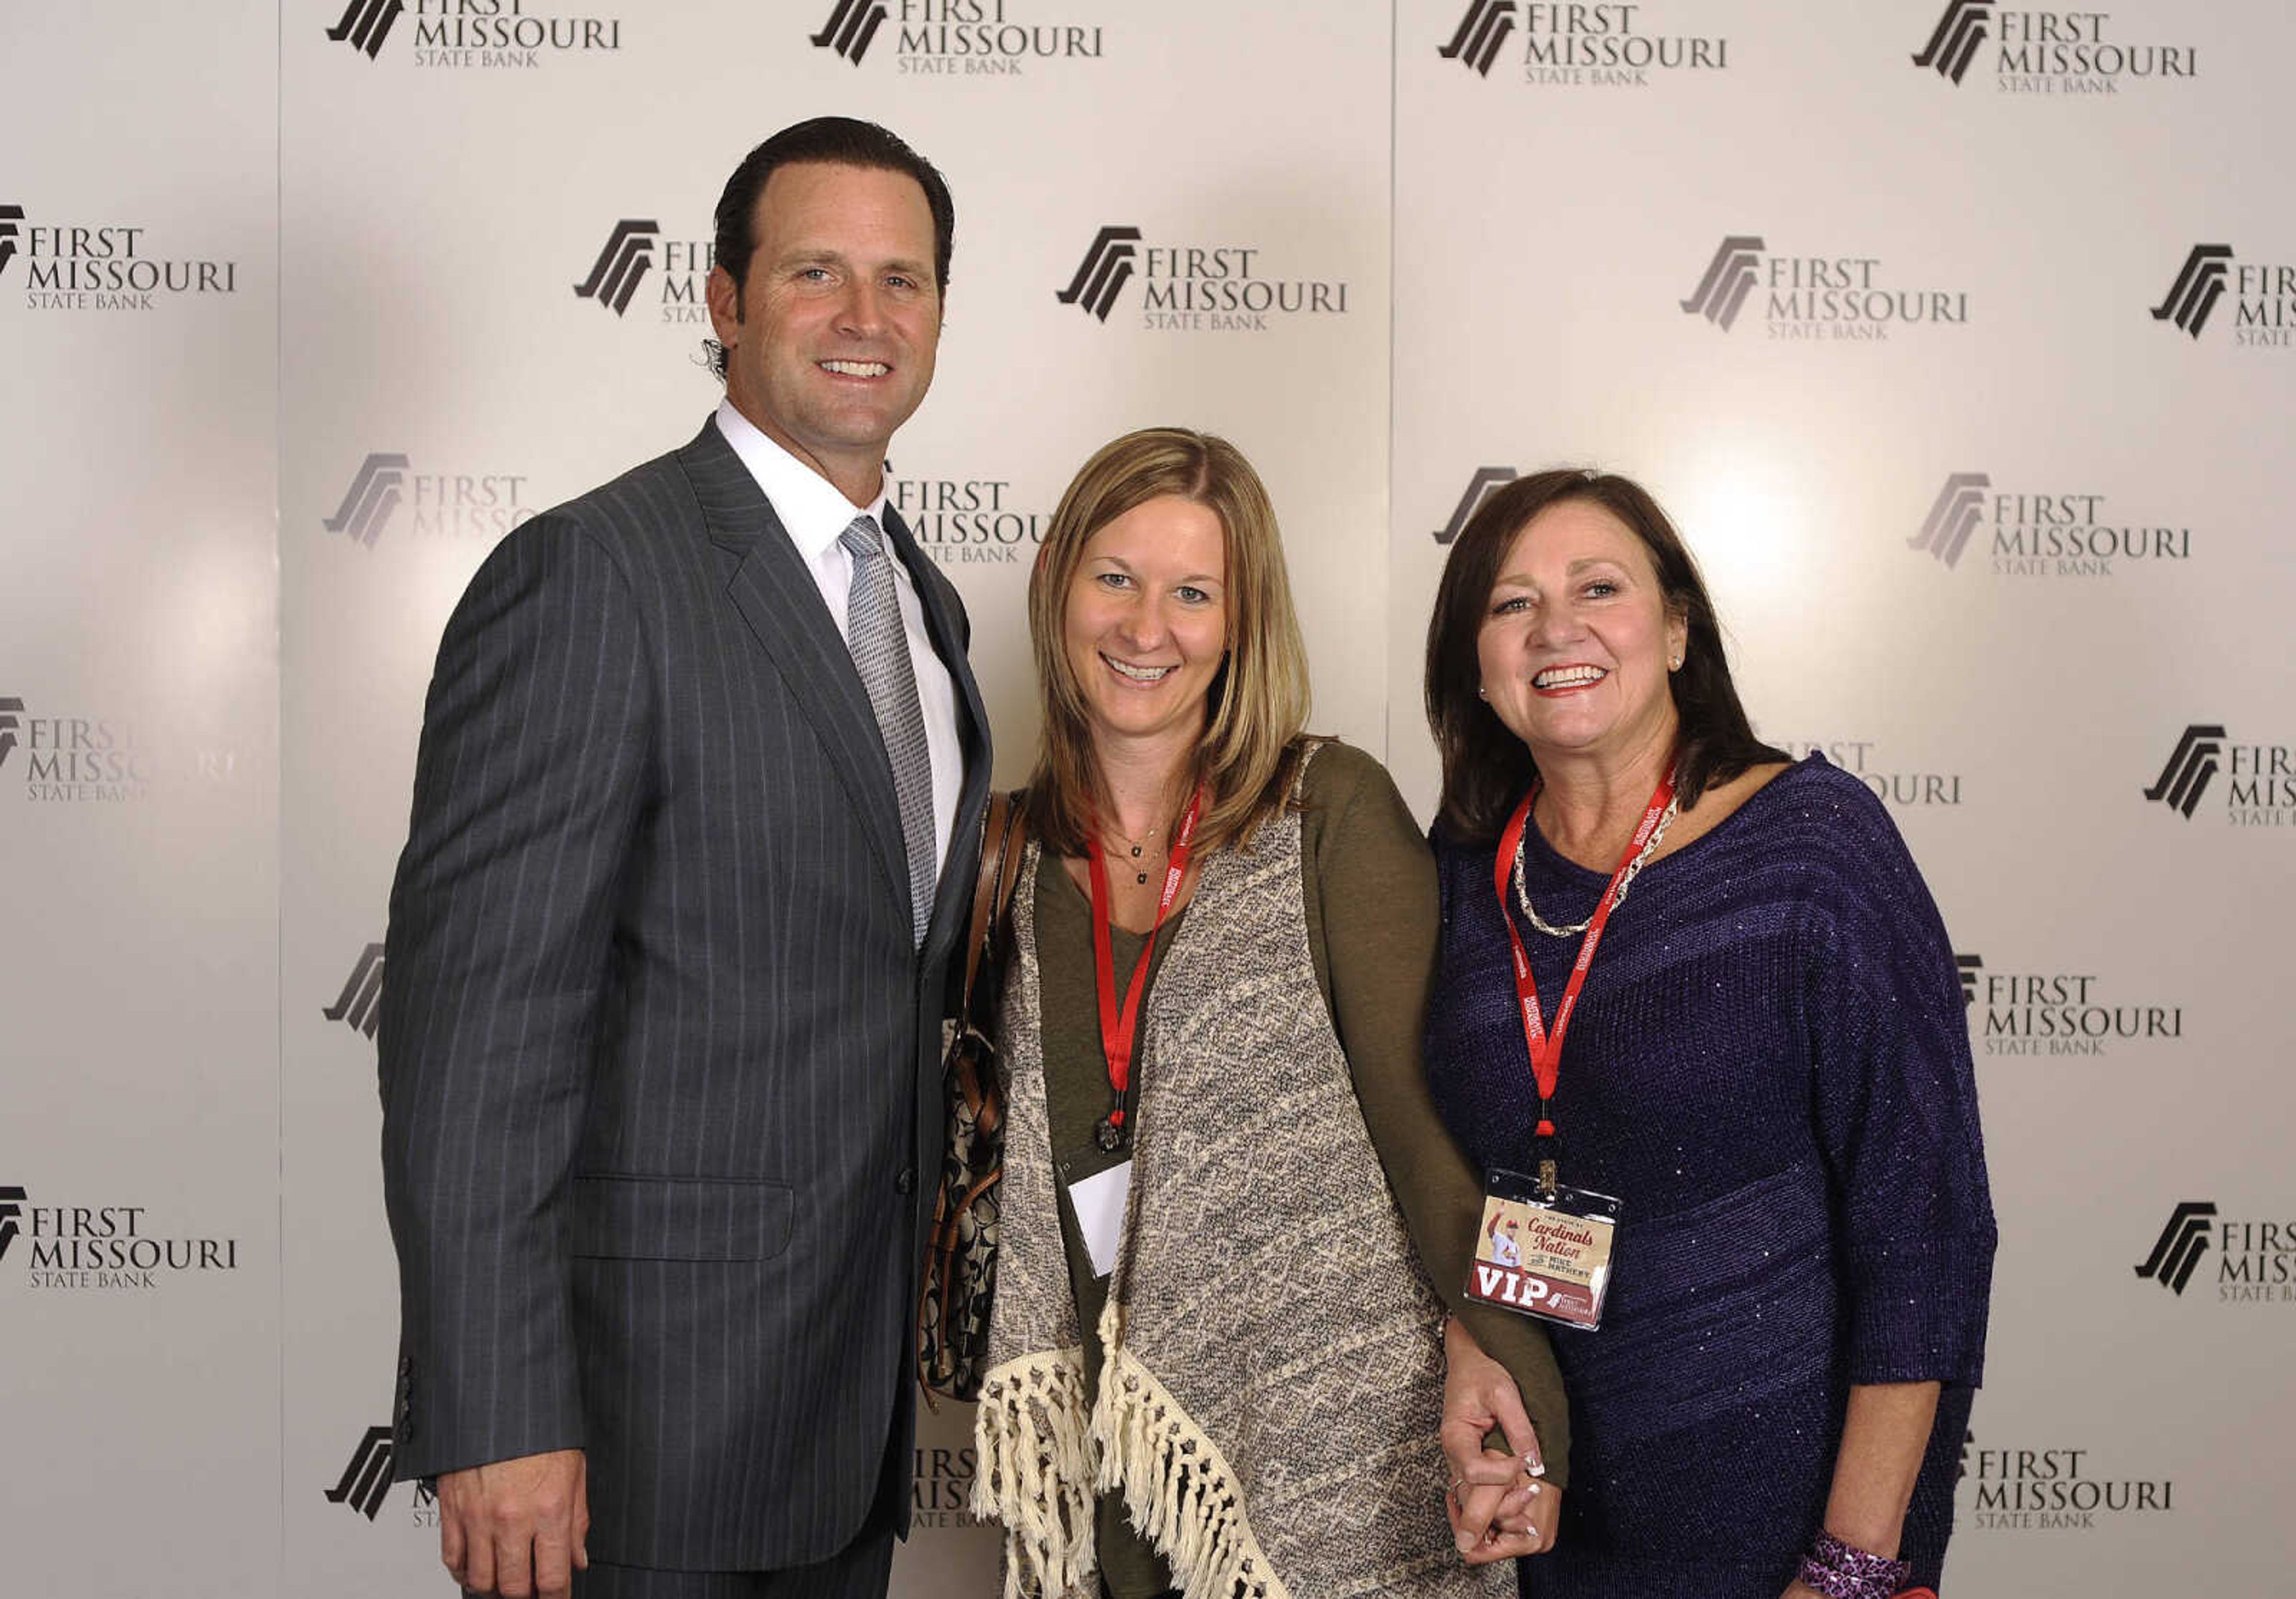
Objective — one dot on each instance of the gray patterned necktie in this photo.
(880, 643)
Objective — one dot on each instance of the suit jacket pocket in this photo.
(679, 1219)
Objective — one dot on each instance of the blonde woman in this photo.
(1217, 1365)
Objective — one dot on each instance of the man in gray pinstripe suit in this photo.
(659, 1045)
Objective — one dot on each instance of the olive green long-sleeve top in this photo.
(1372, 931)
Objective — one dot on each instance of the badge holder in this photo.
(1097, 1205)
(1544, 1249)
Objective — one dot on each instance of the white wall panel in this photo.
(361, 254)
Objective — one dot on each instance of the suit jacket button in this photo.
(907, 1182)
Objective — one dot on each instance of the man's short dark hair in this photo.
(829, 141)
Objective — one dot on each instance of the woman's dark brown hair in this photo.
(1486, 768)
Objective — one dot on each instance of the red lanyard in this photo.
(1546, 1047)
(1118, 1029)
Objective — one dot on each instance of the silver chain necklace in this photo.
(1626, 880)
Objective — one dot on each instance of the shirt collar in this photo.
(810, 507)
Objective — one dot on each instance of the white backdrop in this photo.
(289, 294)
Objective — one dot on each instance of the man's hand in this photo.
(1499, 1510)
(516, 1528)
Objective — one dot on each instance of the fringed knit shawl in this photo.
(1272, 1385)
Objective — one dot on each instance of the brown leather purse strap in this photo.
(1004, 831)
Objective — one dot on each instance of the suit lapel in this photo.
(943, 626)
(774, 591)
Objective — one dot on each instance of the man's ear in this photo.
(725, 298)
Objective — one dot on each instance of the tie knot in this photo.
(862, 539)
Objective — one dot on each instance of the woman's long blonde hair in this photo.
(1257, 701)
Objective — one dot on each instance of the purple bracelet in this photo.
(1839, 1571)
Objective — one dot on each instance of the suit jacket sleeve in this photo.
(533, 772)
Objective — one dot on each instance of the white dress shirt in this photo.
(815, 516)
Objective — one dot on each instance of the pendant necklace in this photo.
(1135, 846)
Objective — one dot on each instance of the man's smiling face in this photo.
(830, 341)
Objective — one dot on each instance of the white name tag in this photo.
(1099, 1202)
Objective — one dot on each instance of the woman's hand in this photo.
(1497, 1507)
(1515, 1521)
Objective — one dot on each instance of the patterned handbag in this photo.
(961, 1256)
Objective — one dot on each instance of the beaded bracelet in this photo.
(1839, 1571)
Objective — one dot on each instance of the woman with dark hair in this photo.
(1215, 1362)
(1766, 1119)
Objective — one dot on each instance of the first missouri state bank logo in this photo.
(1884, 772)
(1969, 966)
(2058, 53)
(1486, 481)
(850, 29)
(360, 1007)
(1598, 43)
(366, 1483)
(366, 1479)
(484, 34)
(365, 24)
(2023, 1010)
(372, 497)
(1960, 506)
(636, 249)
(2052, 534)
(445, 505)
(2263, 297)
(2192, 766)
(2178, 1252)
(1193, 288)
(972, 38)
(2255, 1260)
(2261, 779)
(622, 266)
(2199, 285)
(2053, 1488)
(1730, 277)
(1842, 298)
(103, 266)
(1102, 275)
(103, 1248)
(77, 759)
(1959, 32)
(968, 522)
(1481, 31)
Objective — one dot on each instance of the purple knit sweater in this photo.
(1770, 1067)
